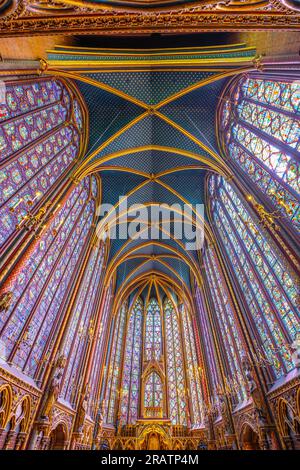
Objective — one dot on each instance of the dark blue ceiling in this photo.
(150, 87)
(109, 113)
(157, 120)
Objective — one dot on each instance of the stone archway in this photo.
(153, 441)
(289, 424)
(249, 438)
(58, 438)
(154, 437)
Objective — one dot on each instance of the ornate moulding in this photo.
(20, 390)
(33, 17)
(288, 391)
(15, 381)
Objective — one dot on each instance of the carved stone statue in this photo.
(54, 388)
(254, 390)
(83, 406)
(5, 301)
(224, 412)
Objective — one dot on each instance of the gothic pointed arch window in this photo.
(208, 343)
(267, 282)
(175, 365)
(192, 368)
(41, 124)
(152, 361)
(259, 124)
(132, 364)
(82, 324)
(114, 367)
(153, 333)
(230, 335)
(42, 281)
(153, 394)
(98, 369)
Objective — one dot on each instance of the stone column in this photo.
(21, 438)
(2, 437)
(8, 441)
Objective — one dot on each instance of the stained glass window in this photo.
(97, 379)
(267, 282)
(175, 365)
(229, 333)
(260, 131)
(192, 368)
(153, 392)
(167, 370)
(112, 387)
(207, 337)
(82, 325)
(153, 339)
(41, 285)
(39, 141)
(132, 365)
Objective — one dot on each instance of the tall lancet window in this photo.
(268, 285)
(192, 368)
(175, 365)
(82, 325)
(208, 343)
(153, 334)
(153, 396)
(260, 131)
(113, 375)
(132, 364)
(98, 369)
(42, 281)
(228, 329)
(40, 136)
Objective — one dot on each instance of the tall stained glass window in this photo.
(153, 337)
(97, 378)
(82, 324)
(153, 397)
(229, 333)
(41, 284)
(175, 365)
(132, 365)
(113, 375)
(267, 282)
(148, 368)
(260, 131)
(40, 133)
(192, 368)
(208, 345)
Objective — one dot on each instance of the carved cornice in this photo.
(284, 388)
(13, 380)
(29, 18)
